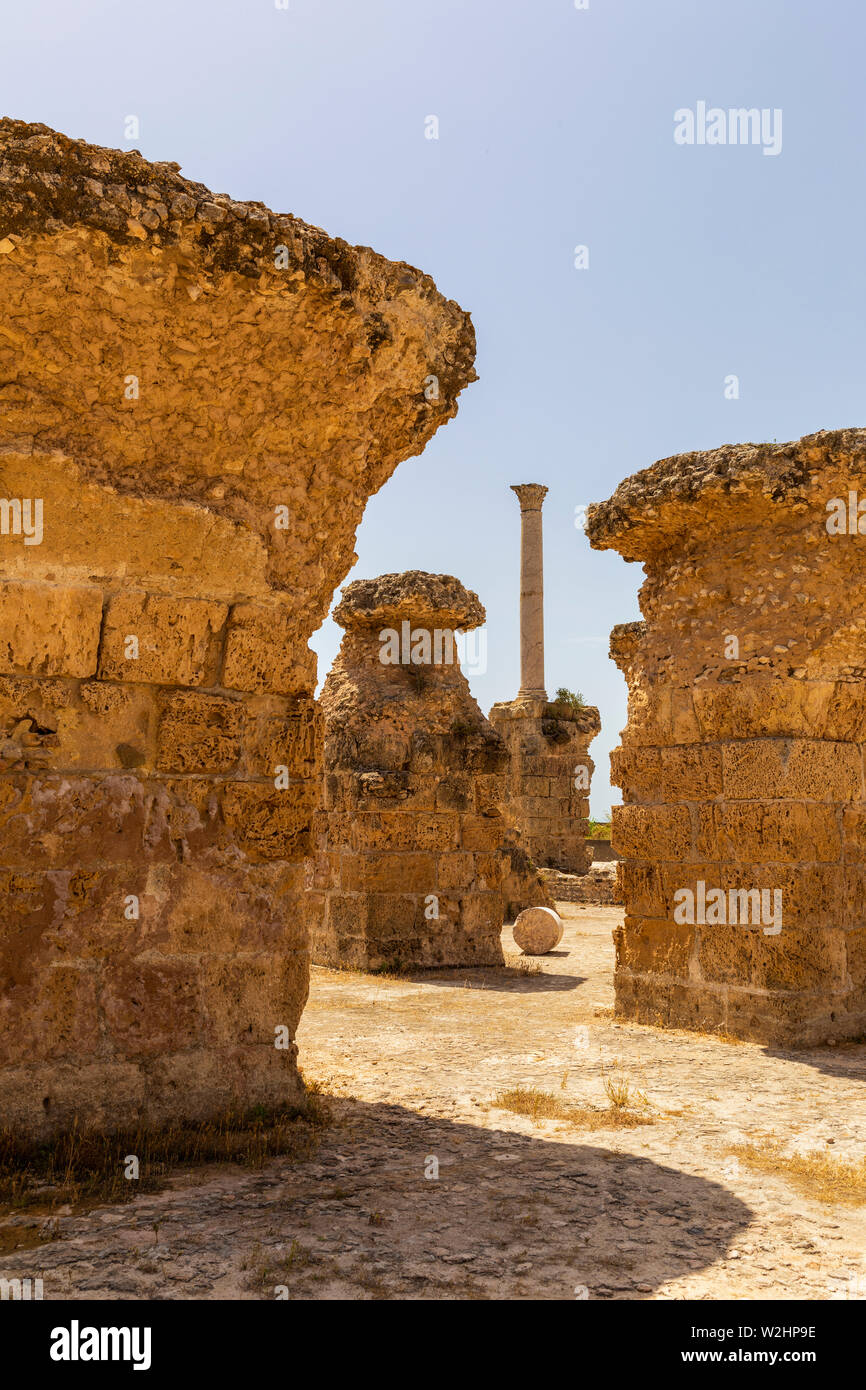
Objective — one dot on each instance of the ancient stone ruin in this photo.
(409, 855)
(744, 825)
(538, 930)
(549, 770)
(198, 398)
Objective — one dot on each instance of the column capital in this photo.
(530, 495)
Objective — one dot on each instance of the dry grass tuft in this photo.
(528, 967)
(541, 1105)
(85, 1168)
(816, 1175)
(519, 965)
(618, 1091)
(269, 1269)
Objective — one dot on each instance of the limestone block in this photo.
(199, 733)
(270, 824)
(549, 774)
(265, 651)
(291, 738)
(177, 641)
(93, 533)
(47, 631)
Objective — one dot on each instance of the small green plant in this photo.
(460, 729)
(418, 678)
(598, 829)
(564, 696)
(391, 969)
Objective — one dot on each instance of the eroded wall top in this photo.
(414, 596)
(663, 506)
(273, 365)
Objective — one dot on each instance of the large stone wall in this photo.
(548, 778)
(409, 842)
(742, 762)
(199, 396)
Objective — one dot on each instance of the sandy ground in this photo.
(518, 1210)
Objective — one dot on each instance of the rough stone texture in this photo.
(525, 1207)
(548, 747)
(523, 885)
(409, 839)
(203, 395)
(597, 885)
(743, 768)
(538, 930)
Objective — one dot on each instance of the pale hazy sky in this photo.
(556, 129)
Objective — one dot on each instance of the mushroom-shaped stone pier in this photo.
(408, 841)
(197, 398)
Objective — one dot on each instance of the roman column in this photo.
(531, 497)
(550, 766)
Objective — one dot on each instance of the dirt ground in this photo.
(424, 1187)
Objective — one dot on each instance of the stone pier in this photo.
(198, 396)
(743, 829)
(409, 843)
(549, 768)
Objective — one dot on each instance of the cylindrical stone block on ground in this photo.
(538, 930)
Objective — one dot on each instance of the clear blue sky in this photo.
(556, 129)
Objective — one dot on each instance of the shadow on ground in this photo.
(848, 1060)
(509, 1216)
(498, 979)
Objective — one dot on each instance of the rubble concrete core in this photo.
(742, 761)
(411, 857)
(201, 395)
(548, 778)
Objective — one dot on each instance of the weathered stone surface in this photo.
(549, 775)
(409, 844)
(47, 631)
(742, 762)
(198, 397)
(597, 885)
(538, 930)
(523, 885)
